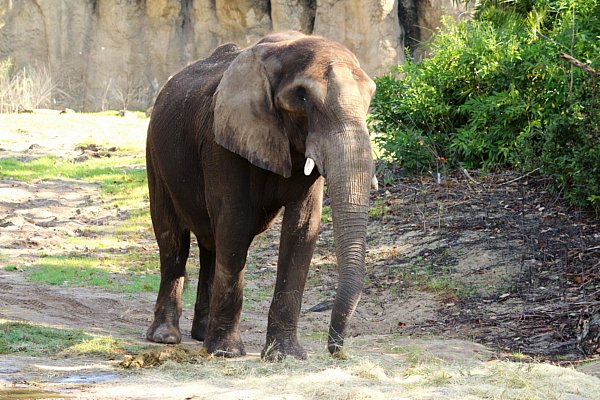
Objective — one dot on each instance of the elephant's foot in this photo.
(163, 333)
(278, 349)
(225, 347)
(199, 328)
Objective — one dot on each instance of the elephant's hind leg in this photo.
(174, 250)
(202, 307)
(174, 246)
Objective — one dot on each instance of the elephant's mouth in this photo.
(310, 165)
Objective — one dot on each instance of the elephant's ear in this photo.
(245, 119)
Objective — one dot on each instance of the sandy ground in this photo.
(402, 343)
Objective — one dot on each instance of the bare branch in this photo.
(520, 177)
(579, 64)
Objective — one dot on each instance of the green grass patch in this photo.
(137, 222)
(320, 336)
(433, 277)
(254, 295)
(379, 209)
(140, 262)
(65, 270)
(189, 295)
(434, 274)
(123, 175)
(448, 286)
(41, 341)
(86, 271)
(98, 345)
(326, 215)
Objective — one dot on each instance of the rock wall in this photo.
(118, 53)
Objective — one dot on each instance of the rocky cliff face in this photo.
(116, 53)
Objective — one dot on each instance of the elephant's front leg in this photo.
(299, 232)
(223, 335)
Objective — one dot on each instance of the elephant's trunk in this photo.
(349, 168)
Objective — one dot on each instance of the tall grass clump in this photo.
(517, 87)
(24, 89)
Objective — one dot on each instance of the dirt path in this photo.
(91, 310)
(488, 259)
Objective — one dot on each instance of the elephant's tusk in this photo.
(308, 167)
(374, 183)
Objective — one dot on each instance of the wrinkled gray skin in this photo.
(227, 144)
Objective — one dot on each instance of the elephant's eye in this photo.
(301, 94)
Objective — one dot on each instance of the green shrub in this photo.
(495, 94)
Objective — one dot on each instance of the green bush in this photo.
(495, 94)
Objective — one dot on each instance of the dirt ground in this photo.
(477, 268)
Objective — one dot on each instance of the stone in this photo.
(369, 28)
(116, 54)
(298, 15)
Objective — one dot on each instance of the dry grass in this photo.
(25, 89)
(413, 373)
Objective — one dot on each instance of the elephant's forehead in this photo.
(315, 53)
(347, 87)
(324, 48)
(341, 76)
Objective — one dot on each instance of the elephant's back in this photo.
(204, 75)
(185, 101)
(197, 80)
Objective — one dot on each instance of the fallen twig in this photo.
(587, 303)
(520, 177)
(466, 173)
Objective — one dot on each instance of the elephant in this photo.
(234, 140)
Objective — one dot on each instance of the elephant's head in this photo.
(291, 102)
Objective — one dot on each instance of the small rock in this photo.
(322, 306)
